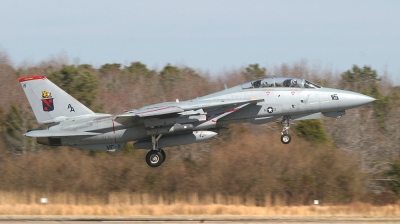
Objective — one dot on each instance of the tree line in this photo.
(355, 158)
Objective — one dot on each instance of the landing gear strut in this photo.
(156, 156)
(286, 138)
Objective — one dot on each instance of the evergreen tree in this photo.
(254, 71)
(17, 122)
(78, 81)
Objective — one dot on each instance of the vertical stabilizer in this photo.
(49, 102)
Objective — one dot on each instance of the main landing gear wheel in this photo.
(286, 138)
(154, 158)
(163, 154)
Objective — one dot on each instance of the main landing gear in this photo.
(286, 138)
(156, 156)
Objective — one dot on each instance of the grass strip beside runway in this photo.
(355, 209)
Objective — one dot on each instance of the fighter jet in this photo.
(70, 123)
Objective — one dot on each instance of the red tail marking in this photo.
(28, 78)
(47, 103)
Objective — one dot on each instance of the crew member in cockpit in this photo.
(290, 83)
(293, 83)
(256, 84)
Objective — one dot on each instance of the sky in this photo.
(210, 35)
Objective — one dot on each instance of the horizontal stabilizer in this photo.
(50, 133)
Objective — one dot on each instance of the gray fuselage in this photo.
(275, 102)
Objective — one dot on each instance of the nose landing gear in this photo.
(156, 156)
(286, 138)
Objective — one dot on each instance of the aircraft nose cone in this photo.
(363, 99)
(352, 100)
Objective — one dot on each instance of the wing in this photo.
(194, 110)
(158, 111)
(147, 112)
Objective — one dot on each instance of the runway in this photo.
(252, 221)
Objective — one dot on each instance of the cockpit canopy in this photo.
(280, 82)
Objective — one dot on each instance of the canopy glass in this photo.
(280, 82)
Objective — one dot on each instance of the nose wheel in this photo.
(286, 138)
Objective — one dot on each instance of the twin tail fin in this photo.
(49, 102)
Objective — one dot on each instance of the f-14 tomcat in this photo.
(154, 127)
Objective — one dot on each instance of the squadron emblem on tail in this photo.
(47, 101)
